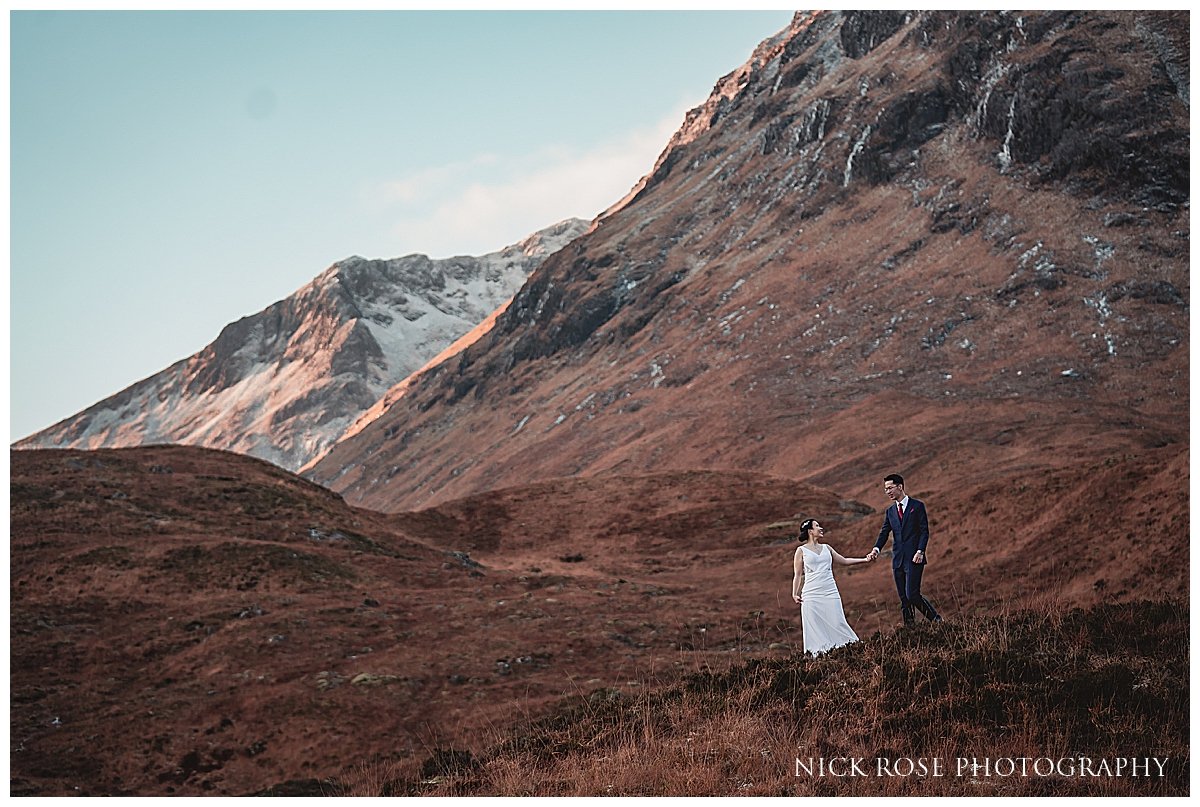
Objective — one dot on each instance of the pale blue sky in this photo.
(172, 172)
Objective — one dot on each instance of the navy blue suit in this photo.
(909, 534)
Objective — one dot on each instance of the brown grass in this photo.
(1106, 682)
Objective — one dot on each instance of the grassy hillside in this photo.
(1107, 683)
(190, 622)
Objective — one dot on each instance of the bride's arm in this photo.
(846, 561)
(797, 575)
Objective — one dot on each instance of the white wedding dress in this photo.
(825, 625)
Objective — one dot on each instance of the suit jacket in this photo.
(909, 535)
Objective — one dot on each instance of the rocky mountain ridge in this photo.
(285, 383)
(884, 229)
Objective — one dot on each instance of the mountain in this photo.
(947, 244)
(285, 383)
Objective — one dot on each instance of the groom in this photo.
(907, 522)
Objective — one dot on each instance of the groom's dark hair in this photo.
(895, 479)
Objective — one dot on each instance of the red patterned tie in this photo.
(900, 511)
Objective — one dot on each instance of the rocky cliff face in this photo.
(953, 243)
(285, 383)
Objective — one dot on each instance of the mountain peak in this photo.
(551, 239)
(285, 383)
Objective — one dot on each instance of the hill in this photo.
(186, 621)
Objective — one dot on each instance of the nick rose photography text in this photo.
(839, 767)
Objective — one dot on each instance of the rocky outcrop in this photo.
(952, 208)
(285, 383)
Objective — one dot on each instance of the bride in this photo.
(825, 625)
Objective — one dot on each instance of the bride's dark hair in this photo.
(804, 529)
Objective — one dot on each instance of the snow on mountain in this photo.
(285, 383)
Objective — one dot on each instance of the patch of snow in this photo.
(1005, 155)
(858, 146)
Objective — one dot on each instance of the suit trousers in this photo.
(908, 583)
